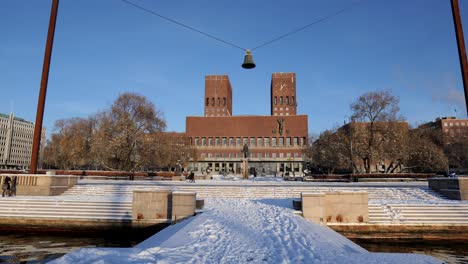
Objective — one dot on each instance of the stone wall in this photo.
(183, 205)
(452, 188)
(336, 207)
(162, 206)
(41, 185)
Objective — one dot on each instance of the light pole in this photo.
(461, 47)
(43, 89)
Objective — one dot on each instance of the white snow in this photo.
(243, 231)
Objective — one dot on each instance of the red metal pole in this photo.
(461, 47)
(43, 89)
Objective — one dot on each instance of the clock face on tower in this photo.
(282, 86)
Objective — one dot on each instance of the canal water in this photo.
(449, 252)
(30, 247)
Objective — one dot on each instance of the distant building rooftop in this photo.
(16, 118)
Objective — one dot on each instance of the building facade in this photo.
(275, 142)
(16, 139)
(452, 128)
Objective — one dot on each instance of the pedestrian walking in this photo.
(13, 186)
(6, 186)
(191, 177)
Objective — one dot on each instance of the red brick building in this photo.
(275, 142)
(452, 128)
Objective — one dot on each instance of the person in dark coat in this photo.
(191, 177)
(6, 186)
(13, 186)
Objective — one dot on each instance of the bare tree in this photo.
(457, 153)
(379, 134)
(330, 151)
(69, 148)
(120, 133)
(426, 152)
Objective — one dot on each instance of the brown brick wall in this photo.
(283, 94)
(218, 96)
(246, 126)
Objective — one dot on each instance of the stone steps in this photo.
(58, 209)
(251, 192)
(392, 213)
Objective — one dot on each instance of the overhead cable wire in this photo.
(184, 25)
(306, 26)
(234, 45)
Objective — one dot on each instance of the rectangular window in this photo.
(252, 142)
(296, 155)
(281, 141)
(273, 155)
(287, 100)
(203, 155)
(267, 155)
(210, 155)
(259, 155)
(296, 141)
(273, 142)
(288, 155)
(267, 142)
(210, 141)
(288, 141)
(218, 142)
(281, 155)
(231, 141)
(203, 141)
(238, 141)
(197, 141)
(302, 141)
(259, 142)
(245, 141)
(224, 141)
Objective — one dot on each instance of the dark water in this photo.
(30, 247)
(449, 252)
(41, 248)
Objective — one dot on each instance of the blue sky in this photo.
(106, 47)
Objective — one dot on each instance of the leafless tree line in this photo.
(128, 136)
(376, 135)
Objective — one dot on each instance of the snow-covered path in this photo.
(243, 231)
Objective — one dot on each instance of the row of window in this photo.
(218, 101)
(251, 155)
(251, 142)
(287, 102)
(456, 124)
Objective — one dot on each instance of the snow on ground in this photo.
(243, 231)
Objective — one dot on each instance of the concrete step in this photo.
(68, 217)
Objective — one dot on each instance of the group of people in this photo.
(9, 186)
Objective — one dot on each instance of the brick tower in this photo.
(218, 95)
(283, 94)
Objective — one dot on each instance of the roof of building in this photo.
(16, 118)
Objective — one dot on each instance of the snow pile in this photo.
(243, 231)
